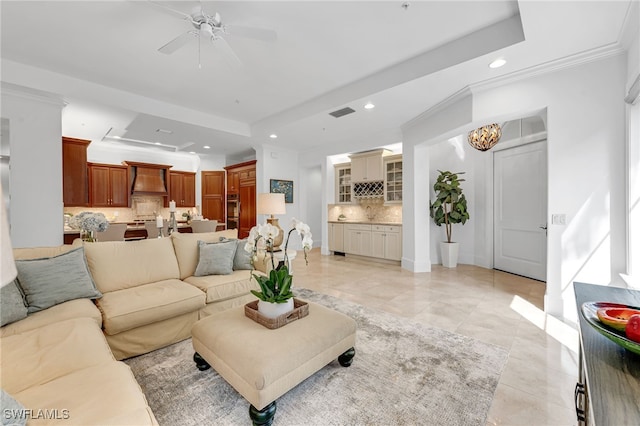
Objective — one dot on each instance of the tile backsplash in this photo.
(358, 212)
(125, 214)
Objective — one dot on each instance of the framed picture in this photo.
(283, 187)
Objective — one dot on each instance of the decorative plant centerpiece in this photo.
(89, 223)
(275, 293)
(450, 207)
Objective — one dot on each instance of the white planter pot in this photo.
(274, 310)
(449, 252)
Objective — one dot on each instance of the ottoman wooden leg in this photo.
(264, 416)
(200, 362)
(346, 358)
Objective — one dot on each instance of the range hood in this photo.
(148, 179)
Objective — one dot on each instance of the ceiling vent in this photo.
(342, 112)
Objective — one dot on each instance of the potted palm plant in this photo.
(275, 296)
(449, 207)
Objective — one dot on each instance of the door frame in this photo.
(487, 260)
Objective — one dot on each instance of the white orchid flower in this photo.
(307, 242)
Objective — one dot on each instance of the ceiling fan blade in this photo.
(252, 32)
(170, 11)
(177, 42)
(228, 53)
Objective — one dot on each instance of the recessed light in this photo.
(273, 136)
(116, 137)
(206, 147)
(497, 63)
(369, 105)
(192, 152)
(158, 143)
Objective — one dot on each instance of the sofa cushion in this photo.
(223, 287)
(53, 280)
(12, 304)
(40, 252)
(215, 258)
(116, 265)
(145, 304)
(186, 248)
(46, 353)
(78, 308)
(106, 394)
(242, 259)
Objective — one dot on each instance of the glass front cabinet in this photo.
(343, 183)
(393, 179)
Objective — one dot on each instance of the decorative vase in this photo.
(449, 252)
(274, 310)
(88, 236)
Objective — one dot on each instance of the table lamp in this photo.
(272, 203)
(8, 272)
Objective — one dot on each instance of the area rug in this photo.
(403, 374)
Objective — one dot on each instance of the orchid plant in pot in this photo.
(275, 293)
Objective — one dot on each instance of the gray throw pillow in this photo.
(53, 280)
(13, 413)
(215, 258)
(12, 304)
(242, 259)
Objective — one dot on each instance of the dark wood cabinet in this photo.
(213, 195)
(182, 188)
(108, 185)
(242, 178)
(75, 179)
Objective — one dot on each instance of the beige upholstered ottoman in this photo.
(263, 364)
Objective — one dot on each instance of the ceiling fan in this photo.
(210, 28)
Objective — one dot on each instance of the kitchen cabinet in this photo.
(393, 179)
(108, 185)
(357, 239)
(182, 188)
(241, 181)
(386, 242)
(336, 237)
(367, 167)
(213, 202)
(343, 183)
(75, 178)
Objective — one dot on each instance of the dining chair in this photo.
(114, 232)
(152, 228)
(198, 226)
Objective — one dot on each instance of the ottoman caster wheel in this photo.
(346, 358)
(264, 416)
(200, 362)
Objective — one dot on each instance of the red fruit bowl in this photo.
(590, 313)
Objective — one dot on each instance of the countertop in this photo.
(131, 226)
(367, 222)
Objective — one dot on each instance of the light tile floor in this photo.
(536, 385)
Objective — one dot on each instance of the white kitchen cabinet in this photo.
(393, 179)
(386, 242)
(343, 183)
(357, 239)
(336, 237)
(367, 167)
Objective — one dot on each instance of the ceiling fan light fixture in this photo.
(486, 137)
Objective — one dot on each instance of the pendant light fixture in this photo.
(484, 138)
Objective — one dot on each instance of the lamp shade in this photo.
(271, 203)
(484, 138)
(8, 272)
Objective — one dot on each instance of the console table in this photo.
(608, 388)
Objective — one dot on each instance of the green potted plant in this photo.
(275, 293)
(449, 207)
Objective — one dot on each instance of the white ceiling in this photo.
(327, 55)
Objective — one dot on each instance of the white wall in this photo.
(36, 166)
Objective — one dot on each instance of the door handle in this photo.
(543, 227)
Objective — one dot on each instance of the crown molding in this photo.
(440, 106)
(31, 94)
(594, 55)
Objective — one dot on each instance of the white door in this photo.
(520, 210)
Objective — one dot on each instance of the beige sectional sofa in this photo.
(66, 357)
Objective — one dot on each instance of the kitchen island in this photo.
(135, 231)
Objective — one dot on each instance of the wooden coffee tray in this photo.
(300, 310)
